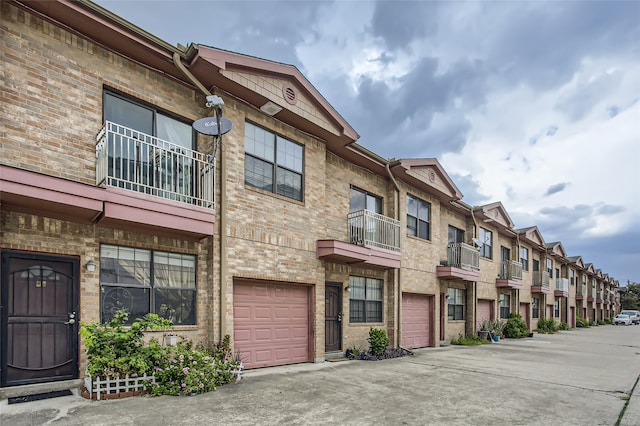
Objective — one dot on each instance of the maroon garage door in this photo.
(271, 323)
(484, 311)
(417, 314)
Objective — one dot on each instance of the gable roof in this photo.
(556, 249)
(495, 213)
(428, 175)
(531, 235)
(576, 260)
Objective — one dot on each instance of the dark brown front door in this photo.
(332, 317)
(39, 332)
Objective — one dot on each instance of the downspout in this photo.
(396, 272)
(222, 206)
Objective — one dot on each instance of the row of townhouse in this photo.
(285, 234)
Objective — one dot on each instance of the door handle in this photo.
(340, 317)
(71, 321)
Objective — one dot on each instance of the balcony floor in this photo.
(350, 254)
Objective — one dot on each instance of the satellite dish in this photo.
(477, 242)
(209, 126)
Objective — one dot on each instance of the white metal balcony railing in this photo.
(463, 256)
(541, 278)
(562, 284)
(129, 159)
(584, 290)
(370, 229)
(510, 270)
(593, 292)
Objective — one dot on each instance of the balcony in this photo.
(581, 292)
(135, 161)
(510, 275)
(374, 242)
(599, 297)
(561, 288)
(540, 282)
(463, 262)
(592, 295)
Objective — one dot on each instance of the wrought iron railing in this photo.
(510, 270)
(464, 256)
(370, 229)
(540, 279)
(129, 159)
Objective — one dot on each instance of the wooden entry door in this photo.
(332, 317)
(39, 318)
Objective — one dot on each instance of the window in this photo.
(365, 304)
(556, 309)
(139, 157)
(486, 237)
(272, 163)
(505, 306)
(456, 235)
(572, 276)
(456, 303)
(362, 200)
(535, 307)
(550, 268)
(144, 281)
(524, 258)
(536, 265)
(418, 216)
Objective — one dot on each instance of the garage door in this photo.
(417, 314)
(484, 311)
(271, 323)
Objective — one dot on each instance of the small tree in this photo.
(515, 327)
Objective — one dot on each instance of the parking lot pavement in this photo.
(578, 377)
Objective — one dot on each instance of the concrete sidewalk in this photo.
(578, 377)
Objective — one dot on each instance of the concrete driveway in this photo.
(578, 377)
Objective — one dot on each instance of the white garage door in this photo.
(271, 323)
(417, 314)
(484, 311)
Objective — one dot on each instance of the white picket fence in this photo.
(114, 385)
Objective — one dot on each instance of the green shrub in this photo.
(547, 325)
(378, 341)
(468, 341)
(114, 349)
(515, 327)
(564, 326)
(600, 322)
(582, 322)
(608, 321)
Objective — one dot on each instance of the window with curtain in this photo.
(455, 235)
(456, 304)
(145, 281)
(273, 163)
(365, 304)
(418, 218)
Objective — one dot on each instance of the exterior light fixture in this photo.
(271, 108)
(91, 266)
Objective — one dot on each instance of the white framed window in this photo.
(505, 306)
(486, 237)
(456, 303)
(418, 218)
(524, 258)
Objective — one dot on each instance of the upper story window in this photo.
(455, 235)
(418, 218)
(572, 276)
(145, 281)
(536, 265)
(486, 250)
(362, 200)
(149, 151)
(550, 267)
(273, 163)
(524, 258)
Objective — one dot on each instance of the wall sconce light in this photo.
(91, 266)
(347, 289)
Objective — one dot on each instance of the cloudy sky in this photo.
(534, 104)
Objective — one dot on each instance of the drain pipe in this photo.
(396, 272)
(222, 206)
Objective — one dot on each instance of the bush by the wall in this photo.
(515, 327)
(378, 341)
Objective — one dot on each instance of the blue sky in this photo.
(534, 104)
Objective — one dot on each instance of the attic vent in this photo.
(289, 94)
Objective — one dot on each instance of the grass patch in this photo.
(468, 341)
